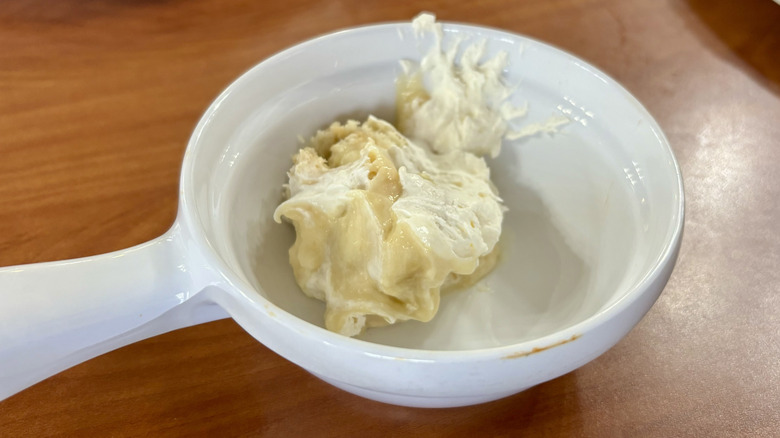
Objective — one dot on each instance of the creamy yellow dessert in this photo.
(386, 220)
(383, 224)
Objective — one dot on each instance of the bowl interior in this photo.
(591, 208)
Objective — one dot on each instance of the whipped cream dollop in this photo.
(463, 104)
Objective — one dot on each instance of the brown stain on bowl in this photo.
(540, 349)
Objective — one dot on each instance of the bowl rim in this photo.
(301, 328)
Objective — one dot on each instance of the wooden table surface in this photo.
(97, 102)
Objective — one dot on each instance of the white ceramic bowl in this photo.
(593, 229)
(594, 223)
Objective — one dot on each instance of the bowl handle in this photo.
(55, 315)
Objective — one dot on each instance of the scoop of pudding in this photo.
(383, 225)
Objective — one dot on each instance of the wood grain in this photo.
(97, 101)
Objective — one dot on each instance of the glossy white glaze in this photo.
(591, 237)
